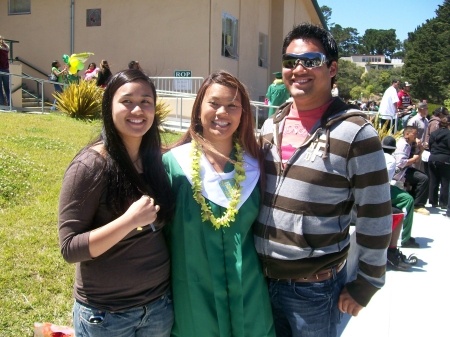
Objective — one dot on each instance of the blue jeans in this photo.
(307, 309)
(4, 80)
(58, 88)
(154, 319)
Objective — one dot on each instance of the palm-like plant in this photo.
(162, 110)
(384, 131)
(81, 100)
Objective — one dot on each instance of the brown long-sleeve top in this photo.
(134, 272)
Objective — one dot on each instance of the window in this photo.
(364, 59)
(229, 36)
(19, 6)
(262, 51)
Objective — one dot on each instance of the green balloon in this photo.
(65, 59)
(80, 65)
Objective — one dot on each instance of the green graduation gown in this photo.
(217, 282)
(277, 94)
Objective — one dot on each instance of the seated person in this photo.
(395, 258)
(399, 199)
(408, 152)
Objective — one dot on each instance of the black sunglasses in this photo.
(307, 60)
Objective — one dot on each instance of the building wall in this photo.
(163, 36)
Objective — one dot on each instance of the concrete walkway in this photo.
(411, 303)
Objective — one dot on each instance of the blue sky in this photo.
(403, 16)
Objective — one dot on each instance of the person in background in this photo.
(404, 104)
(420, 121)
(335, 90)
(134, 65)
(4, 67)
(91, 72)
(403, 201)
(439, 165)
(277, 93)
(407, 117)
(60, 78)
(388, 105)
(104, 74)
(217, 282)
(315, 176)
(433, 125)
(408, 152)
(114, 202)
(372, 107)
(73, 78)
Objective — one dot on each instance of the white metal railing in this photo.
(260, 110)
(161, 84)
(188, 85)
(38, 80)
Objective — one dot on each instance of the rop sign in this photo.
(182, 73)
(182, 84)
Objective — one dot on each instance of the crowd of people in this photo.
(101, 75)
(420, 161)
(225, 234)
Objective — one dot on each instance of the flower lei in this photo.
(235, 193)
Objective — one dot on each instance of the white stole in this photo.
(210, 179)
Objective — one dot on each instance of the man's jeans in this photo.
(307, 309)
(154, 319)
(4, 81)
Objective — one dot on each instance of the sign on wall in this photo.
(182, 84)
(93, 17)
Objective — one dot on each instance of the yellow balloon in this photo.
(73, 69)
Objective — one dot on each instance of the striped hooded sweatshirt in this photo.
(303, 225)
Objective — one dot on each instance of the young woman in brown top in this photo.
(114, 201)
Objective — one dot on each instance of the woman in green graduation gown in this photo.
(218, 286)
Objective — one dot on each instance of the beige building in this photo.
(373, 61)
(199, 36)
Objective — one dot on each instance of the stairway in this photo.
(30, 102)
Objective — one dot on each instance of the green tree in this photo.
(327, 11)
(357, 92)
(348, 76)
(427, 60)
(380, 79)
(400, 52)
(347, 39)
(380, 42)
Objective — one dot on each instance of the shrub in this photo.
(162, 110)
(80, 100)
(383, 130)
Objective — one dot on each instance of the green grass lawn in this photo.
(35, 281)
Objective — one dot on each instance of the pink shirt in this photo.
(297, 127)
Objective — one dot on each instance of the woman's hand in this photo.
(142, 212)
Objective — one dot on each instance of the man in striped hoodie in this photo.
(323, 160)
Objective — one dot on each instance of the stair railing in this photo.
(40, 82)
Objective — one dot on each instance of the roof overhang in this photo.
(320, 14)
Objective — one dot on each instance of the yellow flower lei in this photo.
(239, 176)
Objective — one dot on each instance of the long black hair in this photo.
(124, 184)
